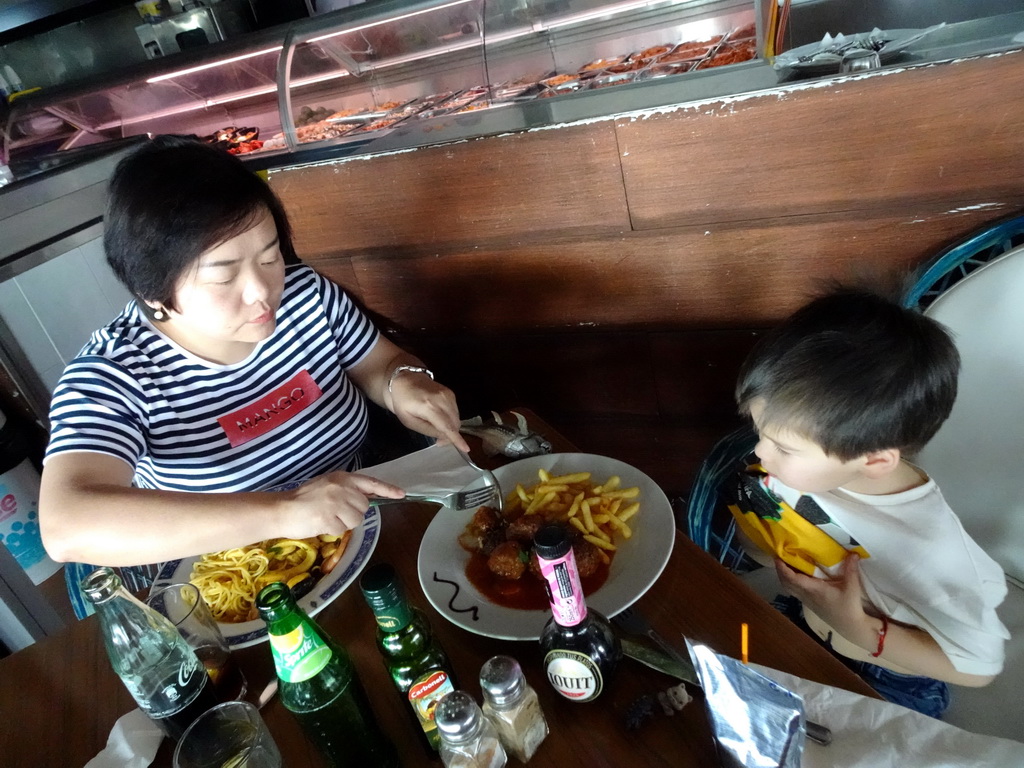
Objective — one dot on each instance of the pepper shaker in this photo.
(468, 740)
(512, 707)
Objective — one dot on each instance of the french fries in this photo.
(599, 512)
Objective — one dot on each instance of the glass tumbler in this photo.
(185, 607)
(229, 735)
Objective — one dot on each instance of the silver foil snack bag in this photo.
(757, 723)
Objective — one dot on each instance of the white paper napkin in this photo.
(439, 468)
(133, 743)
(869, 733)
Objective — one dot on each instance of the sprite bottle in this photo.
(318, 684)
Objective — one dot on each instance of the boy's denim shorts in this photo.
(921, 694)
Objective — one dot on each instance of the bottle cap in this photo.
(457, 716)
(385, 596)
(501, 679)
(551, 542)
(100, 585)
(380, 586)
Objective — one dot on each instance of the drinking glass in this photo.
(185, 607)
(229, 735)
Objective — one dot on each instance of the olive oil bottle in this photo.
(415, 660)
(318, 684)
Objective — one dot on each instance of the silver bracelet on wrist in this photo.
(408, 369)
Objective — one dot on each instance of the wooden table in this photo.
(59, 698)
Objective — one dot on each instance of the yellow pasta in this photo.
(230, 580)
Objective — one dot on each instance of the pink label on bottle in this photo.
(564, 590)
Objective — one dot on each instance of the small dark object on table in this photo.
(639, 712)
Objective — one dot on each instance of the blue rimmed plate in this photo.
(357, 554)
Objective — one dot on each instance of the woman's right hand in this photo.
(332, 503)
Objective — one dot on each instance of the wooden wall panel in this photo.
(613, 275)
(714, 277)
(696, 372)
(903, 141)
(478, 191)
(571, 372)
(659, 401)
(668, 450)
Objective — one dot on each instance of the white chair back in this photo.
(976, 460)
(977, 457)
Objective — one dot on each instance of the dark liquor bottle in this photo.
(580, 650)
(413, 657)
(155, 663)
(318, 684)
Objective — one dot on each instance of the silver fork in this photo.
(489, 481)
(632, 622)
(470, 497)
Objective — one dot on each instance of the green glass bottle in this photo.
(413, 657)
(318, 684)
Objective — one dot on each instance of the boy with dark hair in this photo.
(839, 394)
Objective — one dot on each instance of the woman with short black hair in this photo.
(225, 404)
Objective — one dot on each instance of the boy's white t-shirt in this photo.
(924, 569)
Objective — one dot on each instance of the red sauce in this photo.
(527, 593)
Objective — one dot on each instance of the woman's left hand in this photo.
(838, 601)
(418, 401)
(427, 407)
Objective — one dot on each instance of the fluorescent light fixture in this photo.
(391, 20)
(599, 13)
(212, 64)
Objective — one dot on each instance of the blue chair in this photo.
(709, 524)
(136, 578)
(961, 259)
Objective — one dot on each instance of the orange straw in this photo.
(744, 640)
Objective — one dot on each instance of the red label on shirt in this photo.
(270, 411)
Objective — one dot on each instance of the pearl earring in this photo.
(159, 315)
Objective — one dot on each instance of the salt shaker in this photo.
(468, 740)
(512, 706)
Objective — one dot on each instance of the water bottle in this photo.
(154, 662)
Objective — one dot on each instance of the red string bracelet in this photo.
(881, 637)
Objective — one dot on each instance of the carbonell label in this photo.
(564, 590)
(425, 694)
(573, 674)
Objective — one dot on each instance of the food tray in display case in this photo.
(348, 78)
(667, 69)
(612, 79)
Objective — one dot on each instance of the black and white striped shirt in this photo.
(283, 415)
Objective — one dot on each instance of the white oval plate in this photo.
(246, 633)
(636, 566)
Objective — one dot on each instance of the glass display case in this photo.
(337, 82)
